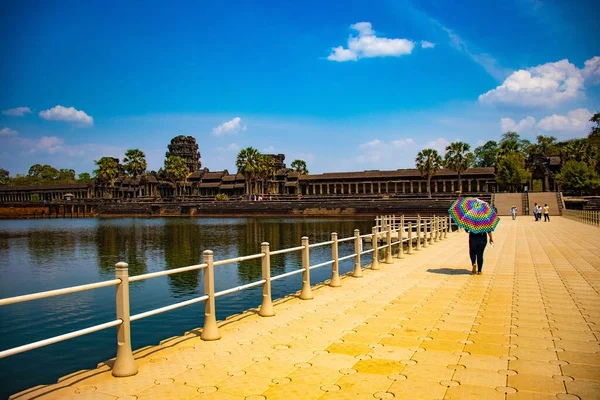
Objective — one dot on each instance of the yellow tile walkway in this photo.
(420, 328)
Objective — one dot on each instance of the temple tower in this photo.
(186, 148)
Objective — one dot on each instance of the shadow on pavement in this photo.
(450, 271)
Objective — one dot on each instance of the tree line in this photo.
(580, 164)
(580, 168)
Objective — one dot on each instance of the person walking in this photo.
(513, 212)
(546, 213)
(540, 212)
(535, 211)
(477, 243)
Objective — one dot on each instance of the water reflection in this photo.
(127, 243)
(182, 244)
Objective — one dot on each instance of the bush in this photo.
(221, 197)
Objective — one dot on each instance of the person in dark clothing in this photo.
(477, 243)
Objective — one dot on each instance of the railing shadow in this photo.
(450, 271)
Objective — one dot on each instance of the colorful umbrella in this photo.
(474, 215)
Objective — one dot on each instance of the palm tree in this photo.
(428, 163)
(135, 162)
(176, 169)
(507, 147)
(458, 158)
(246, 164)
(108, 170)
(264, 169)
(300, 167)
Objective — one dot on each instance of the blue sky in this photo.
(346, 87)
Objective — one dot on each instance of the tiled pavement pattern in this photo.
(421, 328)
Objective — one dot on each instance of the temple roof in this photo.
(400, 173)
(211, 176)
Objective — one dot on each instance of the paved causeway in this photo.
(420, 328)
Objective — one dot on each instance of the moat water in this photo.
(39, 255)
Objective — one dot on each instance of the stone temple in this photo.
(186, 148)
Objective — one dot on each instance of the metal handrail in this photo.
(125, 363)
(287, 250)
(165, 273)
(57, 292)
(59, 338)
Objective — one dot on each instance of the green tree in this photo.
(49, 173)
(511, 143)
(4, 177)
(66, 175)
(84, 177)
(511, 172)
(176, 169)
(300, 167)
(246, 164)
(221, 197)
(485, 156)
(458, 158)
(35, 172)
(578, 176)
(545, 146)
(135, 162)
(264, 170)
(428, 162)
(107, 171)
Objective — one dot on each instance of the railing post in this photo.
(446, 226)
(357, 273)
(439, 228)
(434, 227)
(418, 232)
(431, 231)
(375, 244)
(335, 267)
(401, 237)
(388, 250)
(306, 293)
(210, 331)
(266, 308)
(410, 237)
(124, 362)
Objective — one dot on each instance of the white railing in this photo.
(422, 232)
(585, 216)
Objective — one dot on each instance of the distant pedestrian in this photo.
(535, 211)
(513, 212)
(540, 212)
(477, 243)
(546, 213)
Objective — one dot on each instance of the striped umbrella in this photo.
(474, 215)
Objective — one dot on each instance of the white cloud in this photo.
(591, 70)
(545, 85)
(489, 63)
(17, 112)
(438, 144)
(48, 144)
(525, 125)
(231, 147)
(229, 127)
(60, 113)
(576, 121)
(403, 142)
(8, 132)
(269, 150)
(371, 144)
(380, 154)
(368, 45)
(427, 45)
